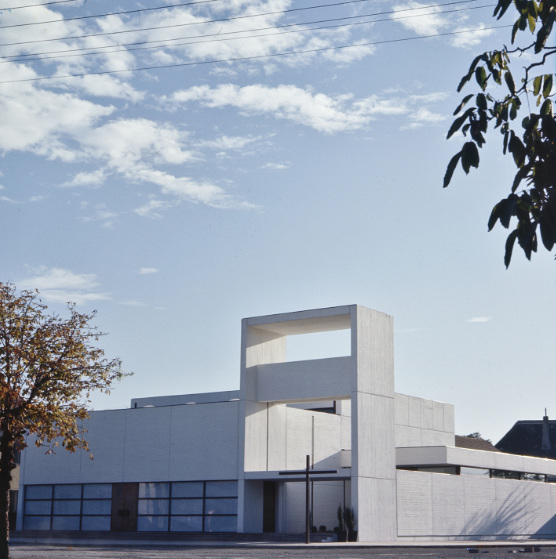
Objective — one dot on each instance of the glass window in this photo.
(65, 522)
(152, 523)
(37, 523)
(67, 491)
(186, 524)
(97, 491)
(38, 491)
(154, 490)
(93, 506)
(221, 524)
(187, 489)
(221, 506)
(67, 507)
(38, 507)
(187, 506)
(95, 523)
(153, 506)
(221, 489)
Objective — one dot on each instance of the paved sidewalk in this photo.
(144, 549)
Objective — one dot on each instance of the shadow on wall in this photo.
(517, 509)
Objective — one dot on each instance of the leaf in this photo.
(451, 168)
(548, 233)
(481, 101)
(547, 88)
(469, 156)
(546, 109)
(510, 241)
(503, 211)
(456, 125)
(509, 82)
(519, 176)
(513, 109)
(481, 77)
(494, 215)
(515, 29)
(464, 101)
(517, 149)
(501, 8)
(532, 23)
(467, 76)
(507, 136)
(544, 31)
(537, 82)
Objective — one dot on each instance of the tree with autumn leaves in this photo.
(49, 366)
(521, 108)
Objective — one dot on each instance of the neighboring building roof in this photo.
(475, 443)
(535, 437)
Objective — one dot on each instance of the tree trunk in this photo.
(7, 464)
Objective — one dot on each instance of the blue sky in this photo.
(178, 200)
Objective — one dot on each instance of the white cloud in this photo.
(228, 142)
(275, 166)
(85, 178)
(61, 286)
(146, 271)
(316, 110)
(423, 116)
(151, 209)
(42, 121)
(471, 38)
(132, 303)
(325, 113)
(422, 19)
(479, 319)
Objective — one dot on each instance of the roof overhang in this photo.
(438, 456)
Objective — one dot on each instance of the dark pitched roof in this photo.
(526, 438)
(475, 444)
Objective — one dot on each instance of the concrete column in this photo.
(257, 347)
(373, 482)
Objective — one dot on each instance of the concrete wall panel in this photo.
(305, 380)
(108, 451)
(473, 507)
(373, 341)
(201, 435)
(147, 444)
(448, 504)
(375, 436)
(480, 495)
(277, 436)
(407, 436)
(414, 503)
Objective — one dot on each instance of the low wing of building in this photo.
(227, 461)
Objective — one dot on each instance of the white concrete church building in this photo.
(215, 462)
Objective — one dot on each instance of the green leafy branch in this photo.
(531, 142)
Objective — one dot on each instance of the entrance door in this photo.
(124, 507)
(269, 507)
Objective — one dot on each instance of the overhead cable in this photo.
(221, 20)
(255, 57)
(218, 37)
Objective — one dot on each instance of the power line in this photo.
(108, 14)
(170, 6)
(255, 57)
(35, 5)
(220, 36)
(221, 20)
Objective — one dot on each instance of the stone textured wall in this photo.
(439, 506)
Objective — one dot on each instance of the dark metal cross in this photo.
(308, 473)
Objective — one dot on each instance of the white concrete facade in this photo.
(216, 461)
